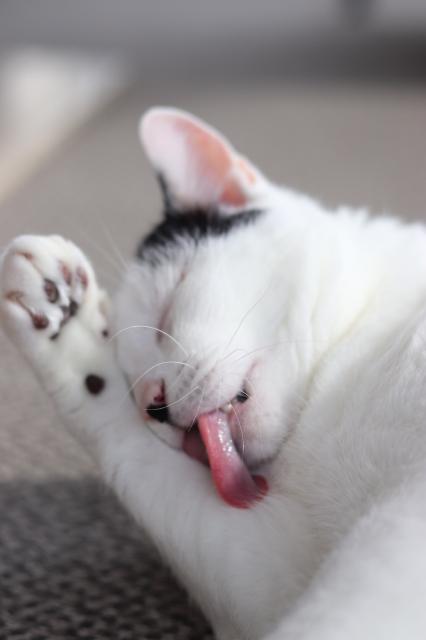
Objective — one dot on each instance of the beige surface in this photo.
(44, 97)
(360, 147)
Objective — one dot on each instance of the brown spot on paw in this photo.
(40, 321)
(94, 384)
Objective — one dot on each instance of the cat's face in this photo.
(207, 306)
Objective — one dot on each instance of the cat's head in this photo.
(203, 315)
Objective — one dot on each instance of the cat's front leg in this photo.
(54, 311)
(52, 308)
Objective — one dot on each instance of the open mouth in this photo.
(212, 442)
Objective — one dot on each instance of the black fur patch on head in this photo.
(191, 225)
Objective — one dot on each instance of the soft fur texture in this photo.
(321, 317)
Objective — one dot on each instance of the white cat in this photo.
(283, 343)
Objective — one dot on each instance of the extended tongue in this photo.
(231, 477)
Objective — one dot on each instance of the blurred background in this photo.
(328, 97)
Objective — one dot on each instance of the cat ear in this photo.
(196, 165)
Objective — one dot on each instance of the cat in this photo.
(255, 394)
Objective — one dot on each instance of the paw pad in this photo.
(49, 281)
(51, 291)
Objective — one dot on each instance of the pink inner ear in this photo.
(200, 167)
(215, 161)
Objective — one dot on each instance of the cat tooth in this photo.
(227, 408)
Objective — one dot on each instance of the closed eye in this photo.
(162, 324)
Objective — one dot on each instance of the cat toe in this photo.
(45, 283)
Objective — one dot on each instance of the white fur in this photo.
(327, 311)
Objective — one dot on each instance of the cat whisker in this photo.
(106, 254)
(228, 355)
(147, 326)
(86, 238)
(171, 404)
(158, 364)
(245, 316)
(254, 395)
(198, 408)
(249, 311)
(110, 280)
(241, 428)
(300, 399)
(264, 348)
(114, 247)
(275, 344)
(176, 380)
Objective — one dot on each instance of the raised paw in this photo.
(46, 285)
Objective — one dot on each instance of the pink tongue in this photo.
(230, 475)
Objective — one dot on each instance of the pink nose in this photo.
(151, 399)
(152, 392)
